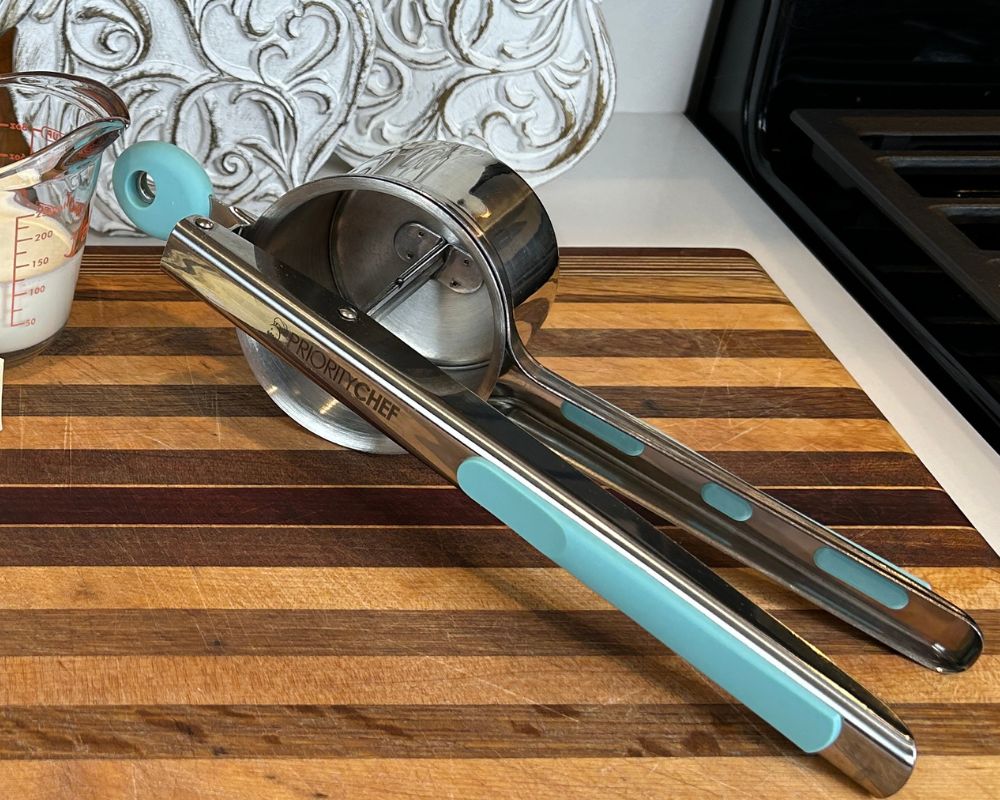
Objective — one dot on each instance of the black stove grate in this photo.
(936, 177)
(914, 199)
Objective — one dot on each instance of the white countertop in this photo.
(654, 181)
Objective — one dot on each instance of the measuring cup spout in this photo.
(82, 146)
(65, 123)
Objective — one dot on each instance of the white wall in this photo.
(656, 45)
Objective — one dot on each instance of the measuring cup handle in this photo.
(701, 497)
(178, 186)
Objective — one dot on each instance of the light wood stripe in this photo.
(729, 316)
(302, 588)
(695, 287)
(327, 632)
(609, 371)
(145, 314)
(431, 680)
(762, 435)
(479, 779)
(158, 433)
(436, 731)
(642, 286)
(133, 370)
(689, 278)
(152, 280)
(280, 433)
(390, 588)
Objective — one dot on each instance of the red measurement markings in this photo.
(45, 134)
(19, 241)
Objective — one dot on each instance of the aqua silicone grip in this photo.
(716, 652)
(182, 188)
(738, 508)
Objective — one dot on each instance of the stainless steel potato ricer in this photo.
(387, 310)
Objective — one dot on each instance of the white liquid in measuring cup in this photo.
(37, 277)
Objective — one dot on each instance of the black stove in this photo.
(873, 128)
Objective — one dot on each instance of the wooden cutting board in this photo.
(198, 599)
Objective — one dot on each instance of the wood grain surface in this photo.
(198, 599)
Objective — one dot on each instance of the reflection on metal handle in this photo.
(701, 497)
(548, 502)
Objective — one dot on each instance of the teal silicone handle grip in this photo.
(737, 507)
(182, 188)
(716, 652)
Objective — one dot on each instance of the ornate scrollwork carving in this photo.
(258, 90)
(531, 80)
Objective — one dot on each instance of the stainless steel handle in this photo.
(699, 496)
(581, 526)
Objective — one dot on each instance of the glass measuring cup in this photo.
(53, 130)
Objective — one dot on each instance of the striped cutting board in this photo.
(200, 600)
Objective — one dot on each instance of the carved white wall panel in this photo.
(257, 90)
(533, 80)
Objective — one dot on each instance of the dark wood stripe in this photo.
(265, 547)
(143, 295)
(679, 343)
(825, 468)
(264, 505)
(250, 400)
(226, 632)
(739, 402)
(125, 400)
(304, 546)
(145, 341)
(453, 731)
(372, 505)
(926, 546)
(874, 506)
(209, 467)
(425, 731)
(133, 256)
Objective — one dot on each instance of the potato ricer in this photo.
(387, 310)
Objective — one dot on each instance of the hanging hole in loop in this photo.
(145, 188)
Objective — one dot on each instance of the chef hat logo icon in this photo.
(278, 329)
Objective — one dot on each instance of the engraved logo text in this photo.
(303, 350)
